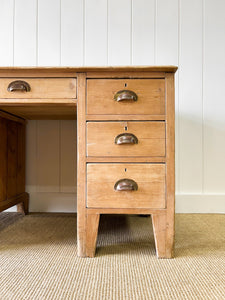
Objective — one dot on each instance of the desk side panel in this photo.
(12, 162)
(3, 159)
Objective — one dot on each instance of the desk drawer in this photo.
(126, 96)
(125, 139)
(28, 88)
(104, 179)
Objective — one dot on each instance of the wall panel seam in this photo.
(107, 24)
(203, 70)
(37, 33)
(131, 32)
(13, 37)
(178, 102)
(60, 32)
(155, 30)
(84, 32)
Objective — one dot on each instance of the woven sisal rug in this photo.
(38, 259)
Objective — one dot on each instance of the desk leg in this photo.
(21, 161)
(81, 167)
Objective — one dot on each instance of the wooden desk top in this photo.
(50, 104)
(14, 70)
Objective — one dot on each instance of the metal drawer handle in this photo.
(18, 85)
(125, 184)
(126, 138)
(125, 95)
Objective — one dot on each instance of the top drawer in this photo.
(38, 88)
(135, 97)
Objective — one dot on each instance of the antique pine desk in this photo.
(125, 141)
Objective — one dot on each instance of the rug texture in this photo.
(38, 259)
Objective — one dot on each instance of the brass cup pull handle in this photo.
(126, 138)
(125, 184)
(125, 95)
(18, 86)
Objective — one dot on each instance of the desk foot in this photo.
(21, 200)
(23, 207)
(163, 241)
(91, 234)
(87, 233)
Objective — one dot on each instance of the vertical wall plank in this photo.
(119, 32)
(214, 95)
(177, 138)
(190, 97)
(71, 32)
(48, 165)
(95, 32)
(166, 47)
(166, 53)
(49, 33)
(31, 156)
(143, 32)
(6, 32)
(25, 32)
(68, 157)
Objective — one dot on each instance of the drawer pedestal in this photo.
(126, 154)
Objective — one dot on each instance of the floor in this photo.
(38, 259)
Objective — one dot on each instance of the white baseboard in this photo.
(51, 202)
(185, 203)
(201, 203)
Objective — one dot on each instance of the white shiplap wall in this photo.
(187, 33)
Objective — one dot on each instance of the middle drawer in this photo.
(127, 138)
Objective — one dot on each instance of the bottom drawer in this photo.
(125, 185)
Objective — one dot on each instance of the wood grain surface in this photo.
(150, 92)
(101, 179)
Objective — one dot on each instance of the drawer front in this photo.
(104, 184)
(38, 88)
(103, 96)
(125, 139)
